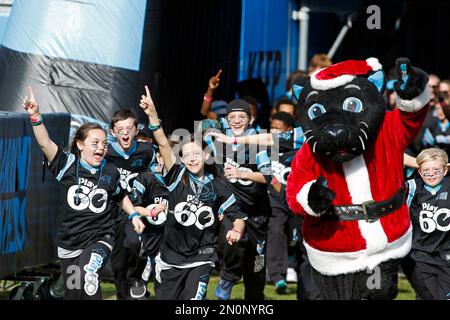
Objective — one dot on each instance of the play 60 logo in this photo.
(435, 220)
(82, 197)
(188, 214)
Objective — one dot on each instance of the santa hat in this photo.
(342, 73)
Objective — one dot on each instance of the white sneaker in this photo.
(291, 275)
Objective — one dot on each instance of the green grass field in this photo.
(405, 291)
(109, 292)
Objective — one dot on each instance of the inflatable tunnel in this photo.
(80, 57)
(82, 60)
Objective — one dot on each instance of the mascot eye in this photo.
(316, 110)
(352, 104)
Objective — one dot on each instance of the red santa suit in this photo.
(339, 247)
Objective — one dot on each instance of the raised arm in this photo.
(262, 139)
(165, 149)
(409, 161)
(207, 98)
(40, 132)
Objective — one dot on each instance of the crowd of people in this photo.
(179, 208)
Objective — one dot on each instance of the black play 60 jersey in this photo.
(251, 196)
(130, 163)
(192, 224)
(138, 159)
(150, 190)
(430, 215)
(287, 143)
(86, 202)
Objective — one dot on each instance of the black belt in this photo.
(370, 210)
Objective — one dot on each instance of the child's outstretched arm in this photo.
(40, 132)
(128, 207)
(165, 149)
(235, 234)
(213, 84)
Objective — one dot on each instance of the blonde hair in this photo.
(432, 154)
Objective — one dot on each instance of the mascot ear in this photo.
(298, 87)
(378, 80)
(297, 90)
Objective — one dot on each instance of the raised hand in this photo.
(146, 103)
(411, 81)
(30, 104)
(320, 197)
(215, 80)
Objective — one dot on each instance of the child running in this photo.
(197, 197)
(89, 186)
(428, 264)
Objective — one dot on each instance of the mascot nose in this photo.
(336, 135)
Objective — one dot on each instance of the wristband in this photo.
(274, 180)
(152, 215)
(134, 214)
(235, 230)
(35, 121)
(207, 98)
(154, 128)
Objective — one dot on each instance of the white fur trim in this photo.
(373, 233)
(302, 198)
(334, 263)
(357, 178)
(415, 104)
(358, 184)
(374, 63)
(330, 83)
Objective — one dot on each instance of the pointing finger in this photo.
(30, 90)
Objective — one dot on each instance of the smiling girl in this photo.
(198, 198)
(89, 186)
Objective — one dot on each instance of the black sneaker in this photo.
(137, 290)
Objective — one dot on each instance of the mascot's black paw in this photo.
(319, 196)
(411, 81)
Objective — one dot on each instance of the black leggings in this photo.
(182, 284)
(126, 263)
(81, 274)
(430, 282)
(244, 259)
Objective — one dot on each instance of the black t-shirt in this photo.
(87, 197)
(149, 190)
(286, 144)
(430, 215)
(251, 196)
(192, 224)
(138, 159)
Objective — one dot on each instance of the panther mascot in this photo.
(347, 180)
